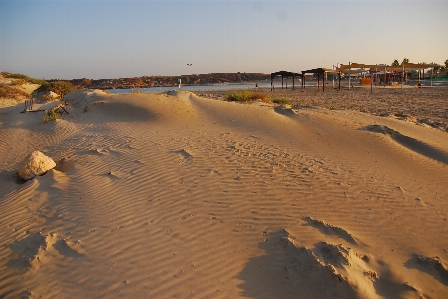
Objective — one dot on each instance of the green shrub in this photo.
(51, 115)
(61, 88)
(240, 96)
(26, 78)
(246, 96)
(283, 101)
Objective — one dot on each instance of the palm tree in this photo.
(395, 63)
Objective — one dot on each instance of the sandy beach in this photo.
(183, 195)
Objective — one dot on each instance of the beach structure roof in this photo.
(319, 70)
(406, 66)
(383, 69)
(284, 74)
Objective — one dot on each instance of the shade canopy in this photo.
(319, 70)
(285, 74)
(405, 65)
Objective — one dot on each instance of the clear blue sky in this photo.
(111, 39)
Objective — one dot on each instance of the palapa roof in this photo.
(319, 70)
(285, 74)
(406, 65)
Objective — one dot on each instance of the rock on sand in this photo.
(35, 164)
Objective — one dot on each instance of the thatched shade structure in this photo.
(405, 66)
(284, 74)
(319, 72)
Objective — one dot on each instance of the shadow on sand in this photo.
(286, 271)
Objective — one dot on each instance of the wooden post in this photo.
(376, 76)
(323, 87)
(318, 80)
(339, 81)
(402, 76)
(332, 76)
(432, 73)
(349, 77)
(303, 82)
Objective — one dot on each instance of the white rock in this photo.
(34, 165)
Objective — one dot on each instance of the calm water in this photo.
(204, 87)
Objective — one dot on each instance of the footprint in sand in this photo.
(185, 156)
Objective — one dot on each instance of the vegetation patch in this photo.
(282, 101)
(262, 97)
(18, 82)
(247, 96)
(51, 115)
(61, 88)
(8, 92)
(24, 78)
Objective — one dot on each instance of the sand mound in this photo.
(410, 143)
(432, 265)
(343, 271)
(329, 229)
(36, 248)
(85, 98)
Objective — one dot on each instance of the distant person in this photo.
(256, 85)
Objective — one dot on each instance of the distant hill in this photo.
(150, 81)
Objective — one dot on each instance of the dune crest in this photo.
(329, 229)
(411, 143)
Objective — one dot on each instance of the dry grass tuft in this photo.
(247, 96)
(8, 92)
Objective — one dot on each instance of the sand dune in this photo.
(179, 196)
(411, 143)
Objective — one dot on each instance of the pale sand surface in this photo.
(179, 196)
(424, 105)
